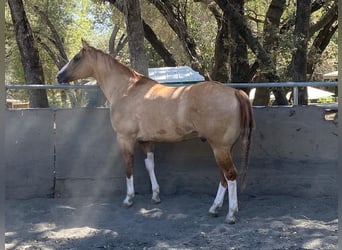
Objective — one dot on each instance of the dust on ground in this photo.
(179, 222)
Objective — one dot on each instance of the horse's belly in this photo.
(167, 135)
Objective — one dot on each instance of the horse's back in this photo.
(214, 99)
(214, 92)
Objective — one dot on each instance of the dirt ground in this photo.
(179, 222)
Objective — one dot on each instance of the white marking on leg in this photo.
(130, 192)
(233, 202)
(62, 69)
(149, 163)
(218, 202)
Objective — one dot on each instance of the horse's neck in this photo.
(114, 80)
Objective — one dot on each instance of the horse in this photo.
(144, 111)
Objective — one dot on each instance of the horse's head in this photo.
(79, 67)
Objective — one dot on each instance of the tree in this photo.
(230, 58)
(115, 48)
(178, 22)
(299, 59)
(328, 26)
(135, 34)
(239, 57)
(221, 70)
(267, 66)
(228, 41)
(30, 59)
(57, 54)
(270, 43)
(159, 46)
(150, 36)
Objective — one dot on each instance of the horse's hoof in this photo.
(155, 198)
(230, 220)
(214, 210)
(155, 201)
(213, 214)
(127, 203)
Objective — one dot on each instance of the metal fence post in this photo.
(295, 95)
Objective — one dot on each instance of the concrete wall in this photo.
(29, 152)
(294, 151)
(74, 153)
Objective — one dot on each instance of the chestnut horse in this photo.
(145, 111)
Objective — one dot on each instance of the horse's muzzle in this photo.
(62, 78)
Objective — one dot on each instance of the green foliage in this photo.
(94, 20)
(164, 33)
(326, 100)
(13, 69)
(154, 60)
(203, 28)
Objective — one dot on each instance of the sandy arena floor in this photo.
(179, 222)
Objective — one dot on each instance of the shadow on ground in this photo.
(180, 221)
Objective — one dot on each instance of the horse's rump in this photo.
(213, 110)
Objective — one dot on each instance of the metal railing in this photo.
(293, 85)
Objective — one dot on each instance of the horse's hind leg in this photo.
(221, 191)
(224, 160)
(149, 163)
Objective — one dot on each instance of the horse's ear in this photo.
(85, 44)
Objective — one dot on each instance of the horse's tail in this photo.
(247, 123)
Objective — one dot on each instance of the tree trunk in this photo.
(326, 19)
(267, 67)
(253, 43)
(113, 46)
(271, 37)
(230, 60)
(111, 43)
(221, 69)
(316, 5)
(238, 57)
(299, 59)
(159, 46)
(150, 36)
(178, 24)
(321, 41)
(30, 60)
(61, 57)
(135, 34)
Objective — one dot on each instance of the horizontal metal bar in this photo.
(235, 85)
(48, 86)
(280, 84)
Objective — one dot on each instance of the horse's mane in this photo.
(111, 62)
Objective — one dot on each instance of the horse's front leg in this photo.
(127, 148)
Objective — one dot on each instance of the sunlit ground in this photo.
(180, 221)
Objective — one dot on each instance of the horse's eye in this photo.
(77, 58)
